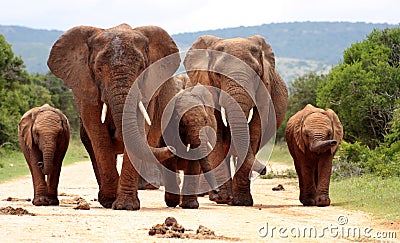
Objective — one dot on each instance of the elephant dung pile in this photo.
(80, 202)
(15, 211)
(171, 229)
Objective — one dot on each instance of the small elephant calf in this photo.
(191, 123)
(313, 136)
(44, 137)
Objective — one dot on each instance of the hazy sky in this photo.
(186, 16)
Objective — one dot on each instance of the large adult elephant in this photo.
(243, 69)
(100, 66)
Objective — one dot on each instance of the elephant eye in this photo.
(329, 134)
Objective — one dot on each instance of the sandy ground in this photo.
(277, 216)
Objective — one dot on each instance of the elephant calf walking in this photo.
(44, 137)
(313, 136)
(190, 129)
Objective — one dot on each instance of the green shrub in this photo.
(357, 159)
(349, 160)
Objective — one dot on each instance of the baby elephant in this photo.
(190, 129)
(44, 137)
(313, 136)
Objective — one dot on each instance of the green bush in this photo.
(365, 87)
(350, 160)
(357, 159)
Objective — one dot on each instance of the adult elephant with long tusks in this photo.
(100, 66)
(252, 100)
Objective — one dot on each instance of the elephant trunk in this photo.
(135, 137)
(116, 101)
(238, 93)
(322, 146)
(48, 157)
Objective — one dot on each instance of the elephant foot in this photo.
(189, 202)
(106, 201)
(213, 195)
(126, 202)
(172, 200)
(307, 201)
(242, 199)
(223, 195)
(40, 200)
(53, 200)
(323, 201)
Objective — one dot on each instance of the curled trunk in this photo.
(135, 138)
(322, 146)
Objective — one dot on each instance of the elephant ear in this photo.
(272, 80)
(25, 127)
(197, 63)
(69, 60)
(161, 43)
(267, 56)
(337, 128)
(64, 122)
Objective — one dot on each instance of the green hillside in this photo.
(299, 47)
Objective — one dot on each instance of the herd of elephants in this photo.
(228, 105)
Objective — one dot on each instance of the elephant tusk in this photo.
(209, 145)
(250, 115)
(144, 112)
(223, 115)
(188, 147)
(103, 113)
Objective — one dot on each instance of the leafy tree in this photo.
(17, 93)
(364, 88)
(61, 97)
(302, 91)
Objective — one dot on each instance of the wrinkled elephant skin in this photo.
(44, 137)
(244, 87)
(313, 136)
(100, 66)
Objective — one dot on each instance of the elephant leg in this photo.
(54, 177)
(241, 183)
(190, 185)
(170, 181)
(39, 188)
(88, 146)
(220, 163)
(127, 196)
(307, 191)
(104, 154)
(38, 179)
(241, 180)
(322, 184)
(297, 166)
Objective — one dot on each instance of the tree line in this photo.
(21, 91)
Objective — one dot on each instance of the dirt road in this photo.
(276, 216)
